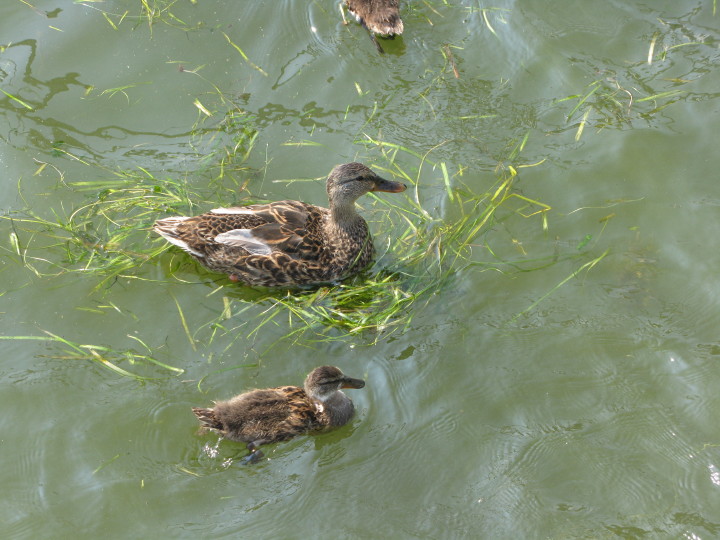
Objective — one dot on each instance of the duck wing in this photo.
(289, 227)
(263, 239)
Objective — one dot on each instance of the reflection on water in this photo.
(528, 396)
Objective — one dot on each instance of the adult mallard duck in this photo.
(285, 243)
(277, 414)
(377, 16)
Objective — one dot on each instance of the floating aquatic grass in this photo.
(587, 266)
(618, 98)
(16, 99)
(151, 12)
(104, 356)
(244, 56)
(111, 92)
(421, 256)
(225, 145)
(106, 236)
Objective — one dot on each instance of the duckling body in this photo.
(277, 414)
(285, 243)
(378, 16)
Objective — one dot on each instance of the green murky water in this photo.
(533, 395)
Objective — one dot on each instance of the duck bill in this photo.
(389, 186)
(352, 383)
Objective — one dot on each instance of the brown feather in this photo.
(379, 16)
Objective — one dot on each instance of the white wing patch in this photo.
(244, 238)
(232, 211)
(179, 243)
(171, 221)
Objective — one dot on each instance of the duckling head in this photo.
(323, 382)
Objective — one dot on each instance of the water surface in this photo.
(527, 398)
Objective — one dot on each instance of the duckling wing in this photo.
(379, 16)
(272, 414)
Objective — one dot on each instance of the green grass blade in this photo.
(16, 99)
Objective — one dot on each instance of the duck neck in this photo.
(337, 407)
(344, 216)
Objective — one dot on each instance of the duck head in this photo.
(323, 382)
(349, 181)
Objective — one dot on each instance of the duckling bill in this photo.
(285, 243)
(277, 414)
(381, 17)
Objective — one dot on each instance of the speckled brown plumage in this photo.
(379, 16)
(287, 242)
(277, 414)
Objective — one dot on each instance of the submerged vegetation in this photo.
(436, 233)
(108, 237)
(104, 356)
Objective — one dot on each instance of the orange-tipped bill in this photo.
(391, 187)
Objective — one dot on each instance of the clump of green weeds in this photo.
(106, 236)
(422, 254)
(104, 356)
(149, 12)
(617, 97)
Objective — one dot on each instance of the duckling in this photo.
(285, 243)
(277, 414)
(380, 17)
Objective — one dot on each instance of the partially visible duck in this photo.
(380, 17)
(285, 243)
(276, 414)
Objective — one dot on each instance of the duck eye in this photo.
(359, 178)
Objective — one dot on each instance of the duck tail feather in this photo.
(207, 417)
